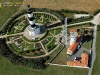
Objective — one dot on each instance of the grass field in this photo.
(7, 11)
(87, 44)
(61, 58)
(96, 68)
(80, 5)
(9, 69)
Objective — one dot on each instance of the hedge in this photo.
(80, 20)
(74, 11)
(38, 63)
(96, 12)
(82, 24)
(54, 12)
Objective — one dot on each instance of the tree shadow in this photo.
(42, 29)
(53, 25)
(90, 60)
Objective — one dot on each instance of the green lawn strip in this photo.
(20, 27)
(11, 28)
(62, 57)
(54, 53)
(52, 31)
(11, 47)
(31, 46)
(9, 69)
(27, 40)
(51, 45)
(22, 44)
(96, 68)
(32, 52)
(14, 46)
(44, 42)
(17, 31)
(49, 38)
(49, 34)
(70, 15)
(87, 44)
(21, 18)
(81, 25)
(10, 36)
(57, 31)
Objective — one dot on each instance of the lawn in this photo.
(52, 31)
(20, 27)
(51, 45)
(57, 31)
(69, 15)
(10, 10)
(87, 44)
(61, 58)
(96, 68)
(49, 38)
(22, 44)
(80, 26)
(13, 46)
(9, 69)
(31, 46)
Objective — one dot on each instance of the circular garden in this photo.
(41, 46)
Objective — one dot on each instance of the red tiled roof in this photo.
(73, 46)
(73, 30)
(83, 62)
(84, 59)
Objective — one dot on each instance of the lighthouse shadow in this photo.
(42, 29)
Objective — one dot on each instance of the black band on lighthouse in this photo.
(29, 11)
(31, 18)
(33, 25)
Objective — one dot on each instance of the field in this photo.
(87, 45)
(7, 11)
(8, 69)
(61, 58)
(96, 68)
(80, 5)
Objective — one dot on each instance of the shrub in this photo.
(73, 11)
(19, 60)
(96, 12)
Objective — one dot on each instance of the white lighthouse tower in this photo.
(73, 36)
(33, 29)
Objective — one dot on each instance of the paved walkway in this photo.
(43, 48)
(72, 24)
(93, 53)
(95, 21)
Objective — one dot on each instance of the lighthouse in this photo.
(33, 29)
(73, 36)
